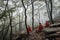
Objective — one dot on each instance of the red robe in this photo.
(47, 24)
(29, 29)
(40, 27)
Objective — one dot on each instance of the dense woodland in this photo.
(17, 15)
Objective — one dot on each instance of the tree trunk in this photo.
(25, 16)
(10, 16)
(3, 29)
(32, 14)
(49, 10)
(51, 13)
(19, 23)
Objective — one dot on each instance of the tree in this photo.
(10, 17)
(32, 14)
(49, 10)
(19, 23)
(4, 12)
(25, 16)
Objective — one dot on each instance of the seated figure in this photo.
(39, 28)
(29, 29)
(47, 24)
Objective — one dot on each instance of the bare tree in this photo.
(10, 17)
(51, 12)
(32, 14)
(3, 28)
(25, 16)
(19, 23)
(49, 9)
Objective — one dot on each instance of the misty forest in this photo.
(29, 19)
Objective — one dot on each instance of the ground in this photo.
(36, 36)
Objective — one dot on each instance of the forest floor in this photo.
(36, 36)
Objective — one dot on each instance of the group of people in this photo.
(40, 27)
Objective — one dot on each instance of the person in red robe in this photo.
(47, 24)
(40, 27)
(29, 29)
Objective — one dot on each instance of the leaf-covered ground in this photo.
(35, 36)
